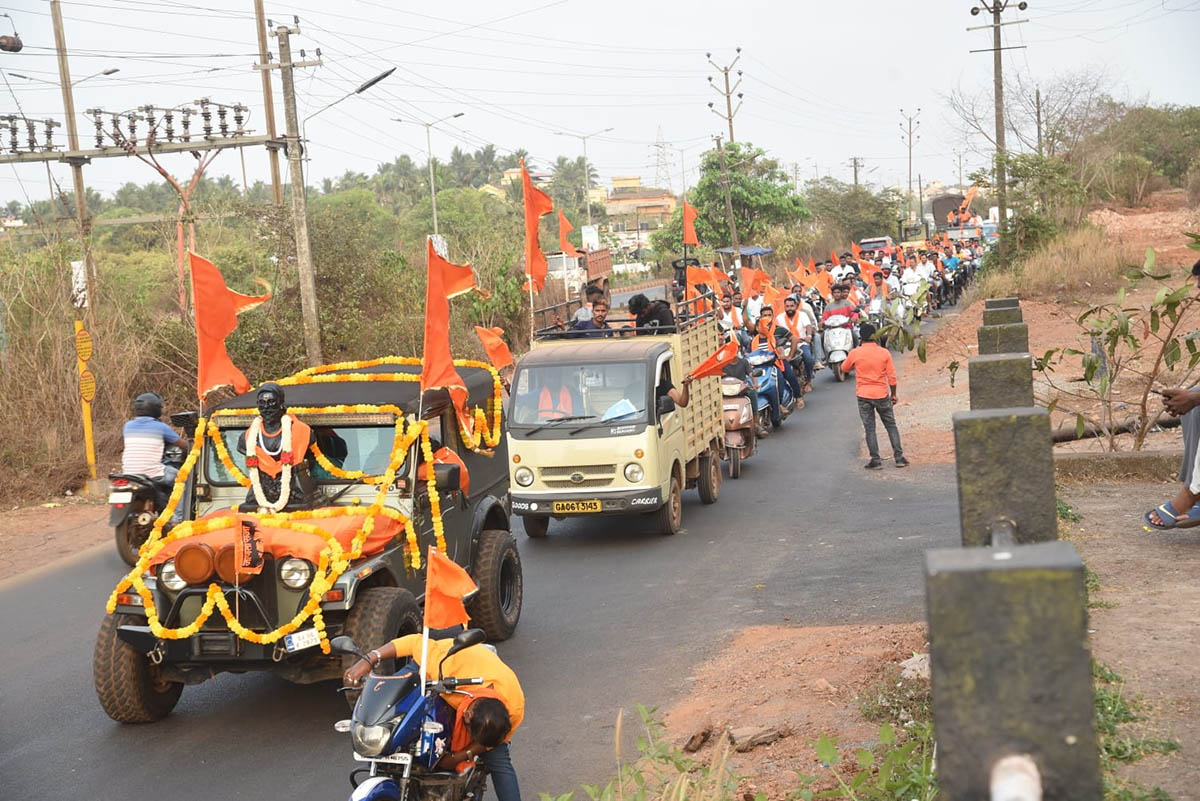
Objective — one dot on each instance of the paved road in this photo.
(613, 615)
(620, 298)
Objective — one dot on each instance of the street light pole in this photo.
(587, 173)
(429, 160)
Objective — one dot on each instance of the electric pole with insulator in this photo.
(733, 234)
(909, 137)
(728, 92)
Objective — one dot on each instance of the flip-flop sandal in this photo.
(1171, 520)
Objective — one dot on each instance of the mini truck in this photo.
(139, 677)
(623, 447)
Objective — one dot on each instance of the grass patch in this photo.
(1080, 260)
(1066, 511)
(1115, 710)
(1091, 585)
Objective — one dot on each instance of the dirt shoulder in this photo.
(31, 535)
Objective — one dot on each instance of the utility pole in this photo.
(958, 154)
(1038, 101)
(304, 265)
(909, 138)
(81, 209)
(730, 111)
(733, 234)
(855, 163)
(264, 57)
(587, 167)
(995, 9)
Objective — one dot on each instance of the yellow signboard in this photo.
(87, 386)
(83, 345)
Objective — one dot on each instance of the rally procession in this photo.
(625, 434)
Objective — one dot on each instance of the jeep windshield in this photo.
(569, 396)
(350, 448)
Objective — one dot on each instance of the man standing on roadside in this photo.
(875, 386)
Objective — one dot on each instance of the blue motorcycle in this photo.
(401, 730)
(773, 392)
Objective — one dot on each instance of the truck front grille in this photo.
(579, 477)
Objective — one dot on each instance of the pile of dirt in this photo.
(1149, 228)
(800, 683)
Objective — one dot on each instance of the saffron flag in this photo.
(812, 266)
(216, 309)
(437, 368)
(773, 297)
(855, 250)
(833, 257)
(715, 363)
(795, 277)
(445, 585)
(565, 228)
(689, 224)
(718, 276)
(537, 205)
(495, 346)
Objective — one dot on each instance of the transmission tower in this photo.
(662, 163)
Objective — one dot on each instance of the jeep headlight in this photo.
(370, 740)
(295, 572)
(634, 473)
(169, 578)
(523, 476)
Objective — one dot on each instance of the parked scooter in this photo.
(401, 730)
(772, 389)
(839, 339)
(135, 502)
(741, 440)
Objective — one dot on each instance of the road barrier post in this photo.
(1000, 380)
(1001, 316)
(1001, 303)
(1003, 338)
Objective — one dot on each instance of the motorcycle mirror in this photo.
(345, 645)
(461, 642)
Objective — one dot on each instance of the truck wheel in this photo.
(379, 615)
(536, 527)
(735, 462)
(130, 688)
(709, 484)
(497, 608)
(669, 519)
(130, 537)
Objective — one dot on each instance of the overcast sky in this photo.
(823, 81)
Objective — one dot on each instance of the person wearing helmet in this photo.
(146, 437)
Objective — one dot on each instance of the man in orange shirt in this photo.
(875, 386)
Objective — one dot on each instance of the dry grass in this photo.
(1082, 260)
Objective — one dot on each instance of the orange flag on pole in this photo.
(445, 585)
(437, 370)
(812, 266)
(494, 345)
(565, 228)
(689, 224)
(216, 308)
(833, 257)
(855, 250)
(537, 205)
(718, 276)
(715, 363)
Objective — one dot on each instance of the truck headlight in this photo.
(523, 476)
(634, 473)
(370, 740)
(169, 578)
(295, 572)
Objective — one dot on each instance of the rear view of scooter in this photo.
(741, 440)
(839, 339)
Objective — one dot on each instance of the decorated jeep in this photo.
(312, 501)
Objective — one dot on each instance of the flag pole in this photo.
(425, 625)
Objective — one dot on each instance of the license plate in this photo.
(120, 497)
(299, 640)
(575, 507)
(399, 758)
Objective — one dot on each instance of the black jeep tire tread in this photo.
(124, 533)
(496, 547)
(669, 518)
(536, 527)
(379, 615)
(709, 482)
(124, 678)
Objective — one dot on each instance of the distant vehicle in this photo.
(591, 267)
(877, 243)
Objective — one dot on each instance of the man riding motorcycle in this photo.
(802, 328)
(146, 437)
(771, 337)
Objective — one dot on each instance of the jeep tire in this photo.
(536, 527)
(497, 571)
(129, 686)
(379, 615)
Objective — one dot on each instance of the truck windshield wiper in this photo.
(619, 417)
(557, 420)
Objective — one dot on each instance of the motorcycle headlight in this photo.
(295, 572)
(169, 578)
(634, 473)
(370, 740)
(523, 476)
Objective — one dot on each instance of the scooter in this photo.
(771, 388)
(135, 502)
(401, 729)
(741, 441)
(839, 339)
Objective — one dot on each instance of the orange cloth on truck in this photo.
(444, 455)
(874, 370)
(283, 542)
(476, 662)
(549, 408)
(301, 436)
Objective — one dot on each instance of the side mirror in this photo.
(448, 477)
(345, 645)
(462, 641)
(666, 405)
(185, 420)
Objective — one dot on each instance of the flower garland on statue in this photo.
(333, 560)
(254, 439)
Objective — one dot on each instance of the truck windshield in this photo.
(599, 393)
(349, 448)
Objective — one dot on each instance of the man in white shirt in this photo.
(802, 327)
(842, 273)
(889, 278)
(753, 307)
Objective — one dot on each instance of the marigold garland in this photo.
(333, 560)
(231, 467)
